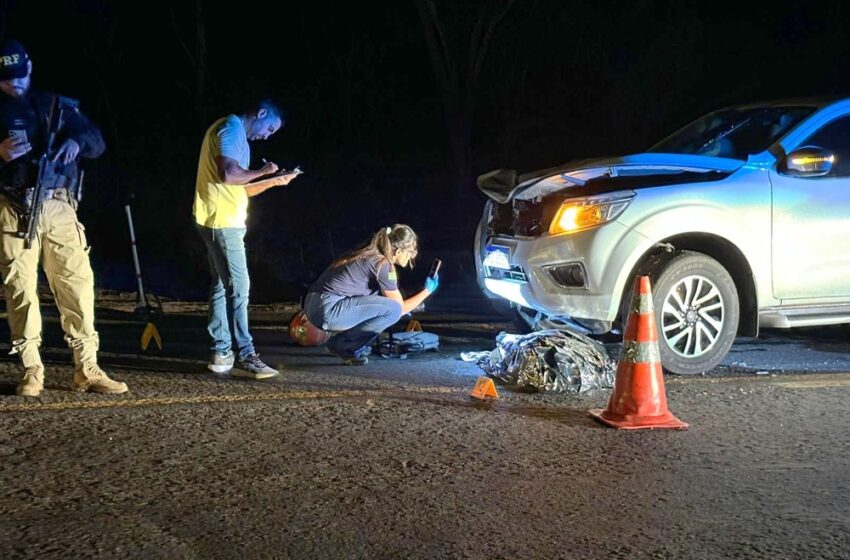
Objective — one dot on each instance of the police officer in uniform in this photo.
(58, 238)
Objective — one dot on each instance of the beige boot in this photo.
(89, 377)
(32, 383)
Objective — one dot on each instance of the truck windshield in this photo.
(734, 133)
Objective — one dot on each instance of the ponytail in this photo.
(384, 242)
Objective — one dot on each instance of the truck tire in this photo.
(696, 312)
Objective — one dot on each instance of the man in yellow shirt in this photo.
(224, 184)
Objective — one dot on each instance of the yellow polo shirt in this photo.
(217, 204)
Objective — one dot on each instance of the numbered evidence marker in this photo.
(484, 389)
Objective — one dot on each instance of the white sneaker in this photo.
(253, 367)
(221, 363)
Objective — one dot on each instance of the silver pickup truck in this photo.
(741, 219)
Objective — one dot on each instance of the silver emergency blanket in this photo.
(550, 360)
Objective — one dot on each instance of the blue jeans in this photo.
(356, 321)
(228, 303)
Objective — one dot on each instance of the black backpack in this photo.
(400, 344)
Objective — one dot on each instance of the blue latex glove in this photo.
(431, 284)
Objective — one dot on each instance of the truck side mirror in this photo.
(808, 161)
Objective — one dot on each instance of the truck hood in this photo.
(596, 176)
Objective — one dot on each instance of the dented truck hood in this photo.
(597, 176)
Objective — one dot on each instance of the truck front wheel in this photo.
(696, 312)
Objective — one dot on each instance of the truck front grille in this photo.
(524, 218)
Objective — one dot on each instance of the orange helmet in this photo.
(304, 333)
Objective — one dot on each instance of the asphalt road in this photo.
(394, 460)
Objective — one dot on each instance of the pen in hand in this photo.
(268, 167)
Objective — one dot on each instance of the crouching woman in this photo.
(357, 297)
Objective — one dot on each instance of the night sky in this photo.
(380, 137)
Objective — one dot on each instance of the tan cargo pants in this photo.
(61, 244)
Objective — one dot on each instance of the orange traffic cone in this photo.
(484, 389)
(638, 400)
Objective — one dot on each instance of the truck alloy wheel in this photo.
(696, 312)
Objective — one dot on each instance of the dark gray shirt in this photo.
(365, 276)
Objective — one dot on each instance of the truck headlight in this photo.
(576, 214)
